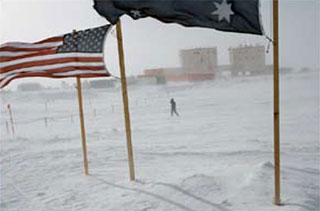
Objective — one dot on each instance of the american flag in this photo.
(76, 54)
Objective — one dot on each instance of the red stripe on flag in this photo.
(72, 68)
(52, 39)
(42, 53)
(15, 49)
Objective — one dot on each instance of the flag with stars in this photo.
(76, 54)
(225, 15)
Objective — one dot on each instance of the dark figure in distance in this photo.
(173, 107)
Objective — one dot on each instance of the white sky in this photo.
(151, 44)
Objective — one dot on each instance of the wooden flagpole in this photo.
(83, 134)
(276, 101)
(125, 100)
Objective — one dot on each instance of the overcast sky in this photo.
(149, 43)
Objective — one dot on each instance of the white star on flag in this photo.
(136, 13)
(223, 11)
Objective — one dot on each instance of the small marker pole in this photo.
(11, 118)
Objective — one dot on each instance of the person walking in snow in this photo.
(173, 107)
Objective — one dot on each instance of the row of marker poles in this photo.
(12, 122)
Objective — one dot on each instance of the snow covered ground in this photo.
(216, 156)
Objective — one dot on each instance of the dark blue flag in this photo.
(225, 15)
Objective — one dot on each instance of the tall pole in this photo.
(276, 102)
(125, 100)
(83, 134)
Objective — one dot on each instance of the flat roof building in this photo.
(199, 60)
(198, 64)
(247, 59)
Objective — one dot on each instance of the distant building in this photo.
(154, 72)
(305, 69)
(248, 59)
(199, 60)
(150, 79)
(198, 64)
(29, 87)
(146, 80)
(100, 84)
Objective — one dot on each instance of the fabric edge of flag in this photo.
(260, 19)
(110, 26)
